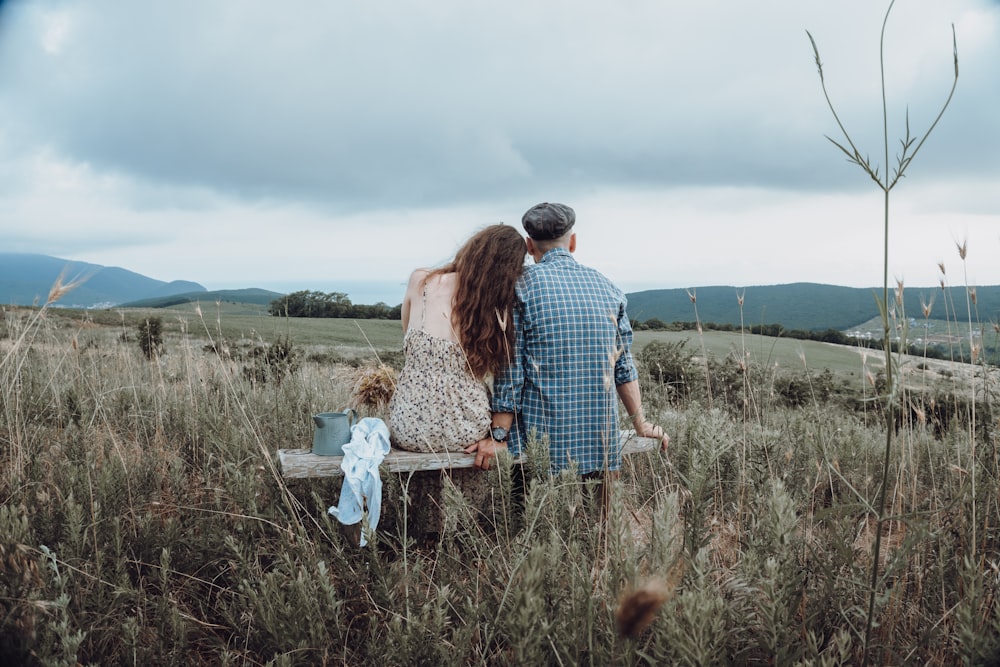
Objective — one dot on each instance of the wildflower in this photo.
(926, 306)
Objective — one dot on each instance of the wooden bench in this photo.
(302, 463)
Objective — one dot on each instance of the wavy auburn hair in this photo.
(486, 269)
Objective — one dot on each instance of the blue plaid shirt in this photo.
(571, 350)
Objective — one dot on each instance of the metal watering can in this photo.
(333, 431)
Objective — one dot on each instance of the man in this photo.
(572, 346)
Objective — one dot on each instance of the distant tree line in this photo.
(308, 303)
(825, 336)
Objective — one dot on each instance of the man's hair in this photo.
(486, 269)
(549, 244)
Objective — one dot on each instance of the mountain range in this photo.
(26, 279)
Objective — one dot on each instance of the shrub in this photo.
(274, 362)
(668, 364)
(151, 336)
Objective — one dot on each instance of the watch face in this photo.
(499, 433)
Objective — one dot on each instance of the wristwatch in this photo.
(499, 433)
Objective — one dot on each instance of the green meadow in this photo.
(364, 338)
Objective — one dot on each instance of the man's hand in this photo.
(485, 451)
(648, 430)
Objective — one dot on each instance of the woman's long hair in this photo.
(486, 269)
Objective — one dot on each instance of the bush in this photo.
(151, 336)
(274, 362)
(668, 364)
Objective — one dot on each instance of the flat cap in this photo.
(546, 221)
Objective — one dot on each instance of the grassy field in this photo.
(236, 322)
(247, 323)
(360, 341)
(142, 520)
(786, 353)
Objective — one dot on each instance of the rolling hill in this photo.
(253, 295)
(807, 306)
(26, 279)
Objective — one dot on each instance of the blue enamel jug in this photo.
(333, 431)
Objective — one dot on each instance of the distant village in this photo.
(931, 336)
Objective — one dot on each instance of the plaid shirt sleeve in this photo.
(508, 384)
(625, 370)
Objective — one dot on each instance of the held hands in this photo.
(485, 451)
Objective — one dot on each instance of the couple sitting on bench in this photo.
(554, 336)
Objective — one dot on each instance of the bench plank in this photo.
(302, 463)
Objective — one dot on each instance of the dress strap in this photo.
(423, 307)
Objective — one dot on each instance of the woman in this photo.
(456, 334)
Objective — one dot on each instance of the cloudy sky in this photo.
(337, 145)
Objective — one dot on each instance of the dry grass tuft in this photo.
(638, 608)
(60, 288)
(373, 387)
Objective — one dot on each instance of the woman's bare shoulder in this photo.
(419, 275)
(417, 279)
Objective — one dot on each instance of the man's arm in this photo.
(631, 397)
(627, 381)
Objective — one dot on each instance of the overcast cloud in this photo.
(315, 145)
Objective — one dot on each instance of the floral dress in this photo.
(438, 405)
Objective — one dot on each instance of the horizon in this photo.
(371, 292)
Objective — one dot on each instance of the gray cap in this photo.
(546, 221)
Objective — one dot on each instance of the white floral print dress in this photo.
(438, 405)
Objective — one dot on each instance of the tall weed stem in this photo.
(886, 182)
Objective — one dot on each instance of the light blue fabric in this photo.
(362, 485)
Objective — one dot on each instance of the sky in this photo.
(336, 146)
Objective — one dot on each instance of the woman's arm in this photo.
(413, 291)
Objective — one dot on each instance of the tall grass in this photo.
(141, 522)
